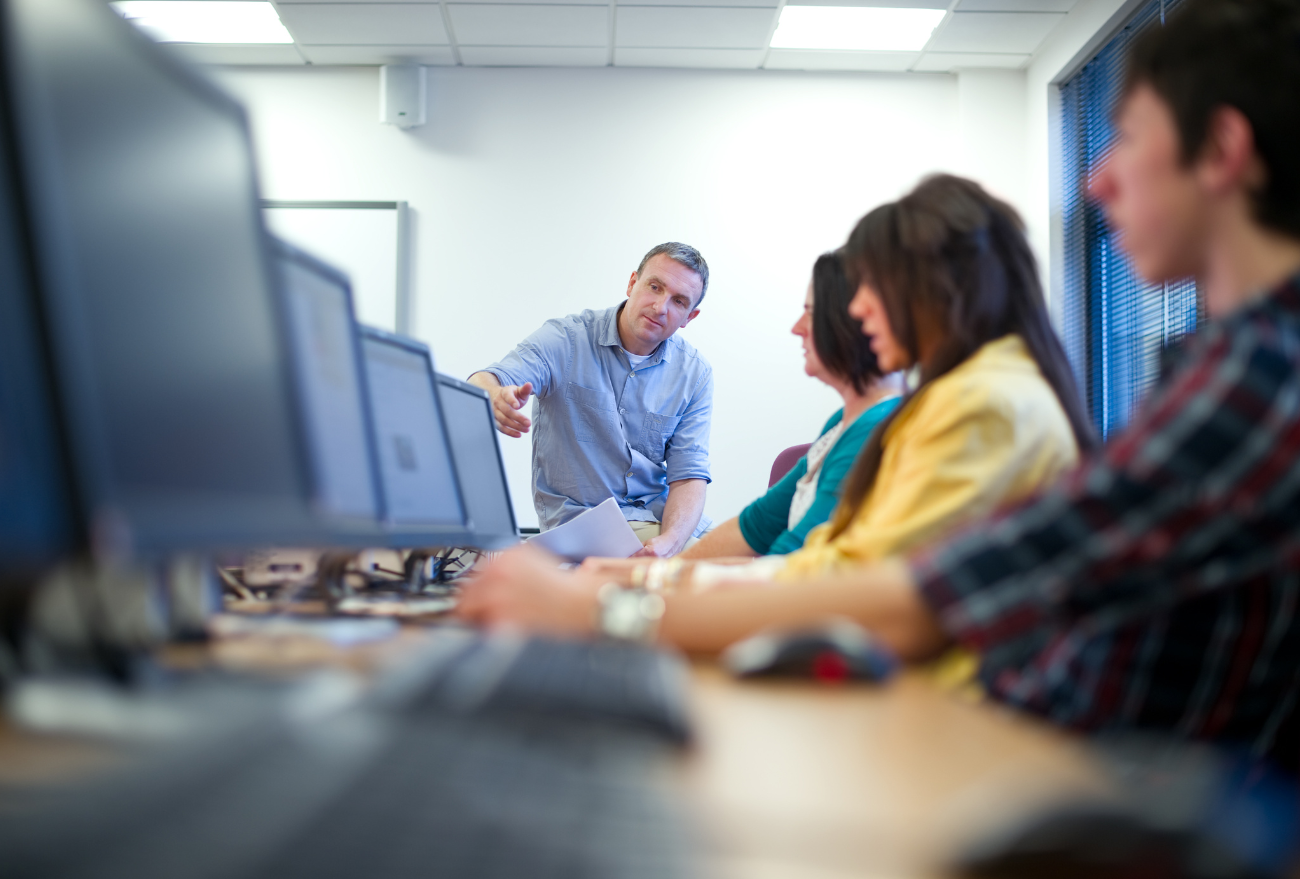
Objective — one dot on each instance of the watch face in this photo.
(631, 615)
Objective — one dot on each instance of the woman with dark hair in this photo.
(947, 290)
(836, 353)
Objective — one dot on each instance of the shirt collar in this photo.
(607, 335)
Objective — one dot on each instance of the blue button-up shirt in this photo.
(602, 428)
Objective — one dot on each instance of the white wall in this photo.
(535, 192)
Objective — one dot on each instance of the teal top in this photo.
(765, 523)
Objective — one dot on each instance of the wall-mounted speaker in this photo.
(403, 95)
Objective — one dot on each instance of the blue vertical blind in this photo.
(1114, 325)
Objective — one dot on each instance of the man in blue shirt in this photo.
(623, 407)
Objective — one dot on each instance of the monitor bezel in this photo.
(109, 513)
(349, 529)
(412, 535)
(492, 541)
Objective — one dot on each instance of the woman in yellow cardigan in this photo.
(947, 289)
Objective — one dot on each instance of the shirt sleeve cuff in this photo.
(502, 376)
(688, 469)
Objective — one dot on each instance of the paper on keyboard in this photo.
(600, 531)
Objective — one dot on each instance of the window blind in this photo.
(1114, 326)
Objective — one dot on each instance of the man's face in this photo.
(1150, 197)
(660, 301)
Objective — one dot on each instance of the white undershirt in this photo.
(636, 359)
(805, 490)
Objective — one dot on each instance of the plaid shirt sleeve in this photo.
(1197, 495)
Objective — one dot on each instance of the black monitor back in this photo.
(479, 465)
(156, 285)
(37, 520)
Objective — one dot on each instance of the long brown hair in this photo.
(955, 257)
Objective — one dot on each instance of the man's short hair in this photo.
(687, 256)
(1243, 54)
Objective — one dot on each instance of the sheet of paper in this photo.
(601, 531)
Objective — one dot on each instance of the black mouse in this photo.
(837, 651)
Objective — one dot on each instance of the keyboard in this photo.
(619, 684)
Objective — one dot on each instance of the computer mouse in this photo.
(837, 651)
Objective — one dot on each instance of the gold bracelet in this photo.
(654, 576)
(673, 573)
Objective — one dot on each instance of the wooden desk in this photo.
(786, 779)
(792, 779)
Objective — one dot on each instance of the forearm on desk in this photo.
(724, 540)
(682, 510)
(881, 598)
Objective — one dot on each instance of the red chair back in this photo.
(785, 462)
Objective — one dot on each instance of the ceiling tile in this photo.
(214, 53)
(821, 59)
(681, 27)
(525, 25)
(364, 24)
(737, 59)
(532, 56)
(372, 55)
(891, 4)
(1016, 5)
(946, 62)
(768, 4)
(1011, 32)
(535, 2)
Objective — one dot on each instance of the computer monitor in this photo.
(478, 463)
(156, 283)
(332, 388)
(37, 520)
(422, 498)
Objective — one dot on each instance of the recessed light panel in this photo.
(205, 21)
(869, 29)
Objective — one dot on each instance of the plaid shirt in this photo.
(1157, 587)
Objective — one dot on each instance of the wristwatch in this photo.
(629, 614)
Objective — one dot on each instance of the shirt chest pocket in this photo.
(595, 418)
(656, 431)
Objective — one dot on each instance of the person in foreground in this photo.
(837, 354)
(1158, 587)
(623, 405)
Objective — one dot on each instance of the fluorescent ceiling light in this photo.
(855, 27)
(205, 21)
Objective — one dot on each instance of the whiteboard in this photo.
(367, 240)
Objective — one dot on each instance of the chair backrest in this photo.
(785, 462)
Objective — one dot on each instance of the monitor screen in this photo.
(156, 282)
(331, 383)
(420, 485)
(36, 515)
(478, 463)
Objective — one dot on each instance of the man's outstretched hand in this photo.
(507, 400)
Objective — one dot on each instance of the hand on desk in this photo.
(661, 547)
(525, 589)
